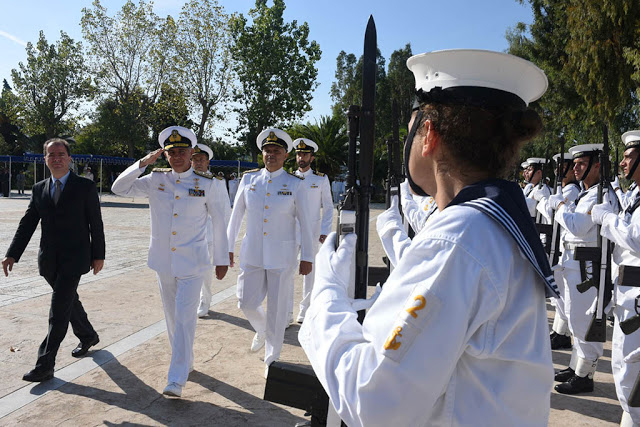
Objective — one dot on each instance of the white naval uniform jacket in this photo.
(179, 216)
(319, 201)
(531, 202)
(273, 202)
(457, 337)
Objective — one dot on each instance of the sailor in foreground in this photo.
(320, 209)
(459, 332)
(200, 163)
(567, 192)
(273, 199)
(624, 230)
(575, 219)
(181, 201)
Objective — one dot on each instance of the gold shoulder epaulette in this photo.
(318, 173)
(293, 174)
(251, 171)
(203, 174)
(165, 170)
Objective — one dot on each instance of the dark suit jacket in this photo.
(72, 232)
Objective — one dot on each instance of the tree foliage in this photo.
(275, 67)
(51, 85)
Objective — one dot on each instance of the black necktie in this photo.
(56, 192)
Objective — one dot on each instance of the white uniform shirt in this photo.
(544, 191)
(319, 201)
(273, 201)
(474, 345)
(233, 188)
(576, 219)
(570, 193)
(180, 205)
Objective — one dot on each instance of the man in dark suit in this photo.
(71, 243)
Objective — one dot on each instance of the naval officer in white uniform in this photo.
(273, 200)
(182, 202)
(624, 230)
(200, 163)
(320, 208)
(458, 335)
(575, 218)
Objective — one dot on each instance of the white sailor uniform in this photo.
(624, 230)
(416, 209)
(233, 188)
(320, 209)
(181, 205)
(273, 201)
(469, 339)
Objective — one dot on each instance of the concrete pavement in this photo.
(121, 382)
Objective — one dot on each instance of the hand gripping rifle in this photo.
(295, 385)
(544, 229)
(554, 253)
(601, 259)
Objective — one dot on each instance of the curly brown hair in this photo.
(481, 139)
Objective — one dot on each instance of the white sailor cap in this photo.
(201, 148)
(536, 161)
(476, 77)
(585, 150)
(631, 139)
(177, 136)
(304, 145)
(524, 165)
(565, 157)
(273, 136)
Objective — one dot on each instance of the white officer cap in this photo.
(201, 148)
(536, 161)
(524, 165)
(304, 145)
(565, 157)
(631, 139)
(585, 150)
(177, 136)
(273, 136)
(480, 77)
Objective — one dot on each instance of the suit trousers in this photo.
(180, 298)
(254, 283)
(65, 308)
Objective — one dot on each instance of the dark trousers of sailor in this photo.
(65, 308)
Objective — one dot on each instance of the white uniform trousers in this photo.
(576, 306)
(254, 283)
(207, 281)
(624, 374)
(561, 322)
(307, 285)
(180, 297)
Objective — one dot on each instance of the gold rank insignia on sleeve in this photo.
(318, 173)
(251, 171)
(299, 177)
(203, 174)
(165, 170)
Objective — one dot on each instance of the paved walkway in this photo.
(121, 382)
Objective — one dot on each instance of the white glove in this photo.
(538, 194)
(333, 267)
(390, 218)
(599, 211)
(555, 200)
(615, 183)
(365, 304)
(633, 357)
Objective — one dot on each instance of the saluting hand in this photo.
(150, 158)
(7, 263)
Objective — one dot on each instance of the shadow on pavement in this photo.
(611, 412)
(232, 320)
(124, 205)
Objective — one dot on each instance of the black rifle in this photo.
(544, 228)
(554, 253)
(600, 258)
(295, 385)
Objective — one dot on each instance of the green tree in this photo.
(276, 70)
(203, 56)
(401, 83)
(51, 85)
(13, 140)
(330, 133)
(344, 90)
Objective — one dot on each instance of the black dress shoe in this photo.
(38, 375)
(552, 335)
(564, 375)
(83, 347)
(559, 342)
(575, 385)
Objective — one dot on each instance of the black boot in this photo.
(559, 342)
(576, 385)
(564, 375)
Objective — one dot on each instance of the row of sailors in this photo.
(575, 209)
